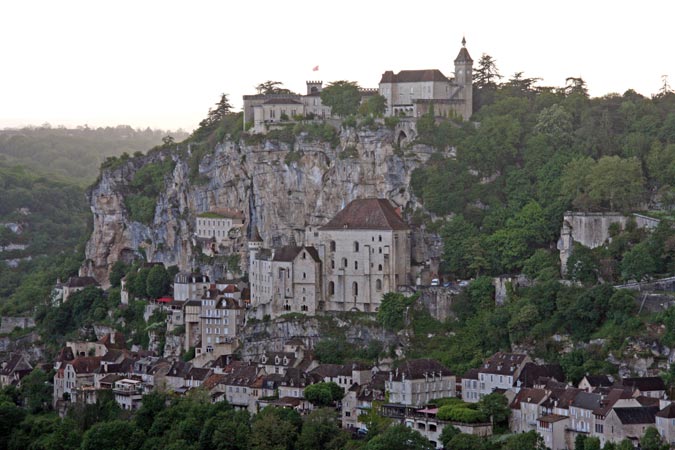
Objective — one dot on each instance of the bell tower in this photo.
(464, 79)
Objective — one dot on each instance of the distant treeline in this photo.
(76, 153)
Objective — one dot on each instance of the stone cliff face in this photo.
(281, 195)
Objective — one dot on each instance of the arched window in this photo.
(379, 267)
(380, 250)
(304, 307)
(304, 255)
(332, 264)
(355, 288)
(332, 246)
(356, 265)
(331, 288)
(356, 246)
(379, 238)
(378, 284)
(304, 275)
(344, 263)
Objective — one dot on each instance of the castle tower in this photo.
(256, 242)
(464, 78)
(314, 87)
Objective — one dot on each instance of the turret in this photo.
(463, 66)
(314, 87)
(464, 79)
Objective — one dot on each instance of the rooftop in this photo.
(367, 214)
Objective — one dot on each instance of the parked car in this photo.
(435, 282)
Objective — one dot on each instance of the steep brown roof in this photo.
(286, 253)
(532, 372)
(86, 364)
(367, 214)
(668, 412)
(413, 76)
(645, 384)
(282, 101)
(463, 56)
(419, 368)
(502, 363)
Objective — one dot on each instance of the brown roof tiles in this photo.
(367, 214)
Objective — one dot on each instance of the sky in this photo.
(163, 64)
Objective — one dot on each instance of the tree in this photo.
(592, 443)
(217, 114)
(392, 312)
(37, 391)
(168, 140)
(486, 73)
(228, 430)
(448, 433)
(323, 394)
(10, 418)
(343, 97)
(321, 430)
(112, 435)
(158, 282)
(638, 263)
(525, 441)
(466, 442)
(117, 272)
(398, 437)
(374, 106)
(270, 431)
(652, 440)
(617, 183)
(271, 87)
(496, 407)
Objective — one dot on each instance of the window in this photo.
(380, 250)
(379, 238)
(379, 267)
(332, 264)
(304, 276)
(304, 255)
(356, 265)
(331, 288)
(378, 284)
(356, 246)
(332, 246)
(355, 288)
(344, 263)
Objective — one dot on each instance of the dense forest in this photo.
(76, 153)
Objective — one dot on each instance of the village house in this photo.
(500, 371)
(653, 387)
(221, 321)
(590, 382)
(629, 423)
(359, 398)
(418, 381)
(63, 291)
(129, 393)
(12, 371)
(283, 280)
(220, 231)
(74, 375)
(665, 423)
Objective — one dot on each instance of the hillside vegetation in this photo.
(75, 153)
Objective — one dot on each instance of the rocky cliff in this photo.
(281, 189)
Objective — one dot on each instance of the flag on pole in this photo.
(316, 68)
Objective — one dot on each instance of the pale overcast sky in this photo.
(164, 63)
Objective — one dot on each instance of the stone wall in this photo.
(592, 230)
(8, 324)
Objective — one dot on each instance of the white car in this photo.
(435, 282)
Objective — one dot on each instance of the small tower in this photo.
(256, 242)
(314, 87)
(464, 78)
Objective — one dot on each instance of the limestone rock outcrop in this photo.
(280, 188)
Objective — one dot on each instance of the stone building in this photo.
(415, 92)
(220, 230)
(365, 250)
(264, 110)
(418, 381)
(283, 280)
(222, 318)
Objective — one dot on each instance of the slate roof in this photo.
(417, 369)
(367, 214)
(332, 370)
(282, 101)
(413, 76)
(637, 414)
(502, 363)
(118, 338)
(86, 364)
(179, 369)
(528, 395)
(463, 56)
(608, 401)
(668, 412)
(598, 380)
(198, 373)
(242, 375)
(471, 374)
(645, 384)
(15, 364)
(290, 252)
(532, 372)
(587, 400)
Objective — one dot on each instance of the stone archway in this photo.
(402, 138)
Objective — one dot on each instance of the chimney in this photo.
(112, 337)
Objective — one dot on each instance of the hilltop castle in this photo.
(409, 93)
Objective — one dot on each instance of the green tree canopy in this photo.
(398, 437)
(342, 96)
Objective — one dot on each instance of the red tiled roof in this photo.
(367, 214)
